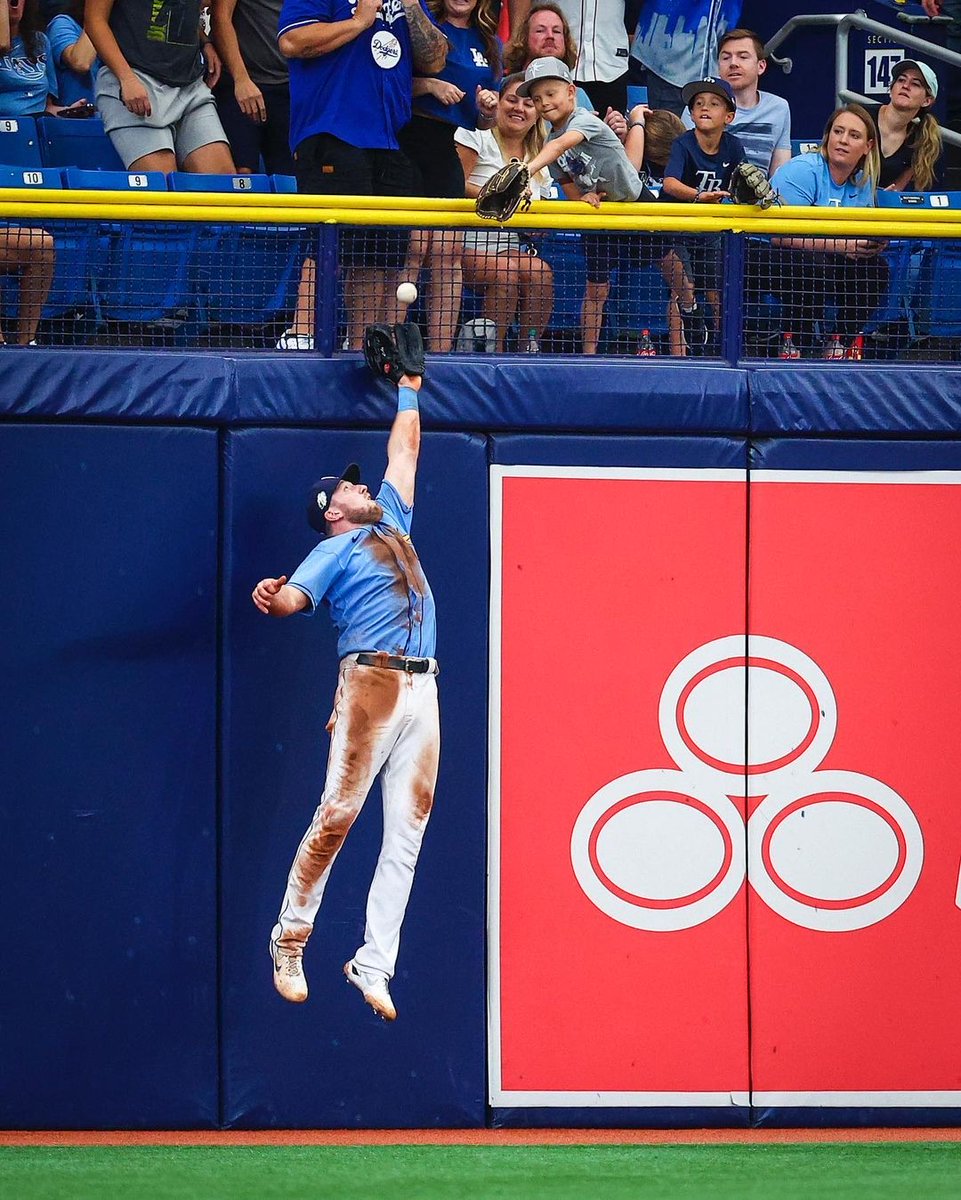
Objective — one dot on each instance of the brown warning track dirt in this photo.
(467, 1137)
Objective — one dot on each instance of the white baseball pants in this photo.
(384, 721)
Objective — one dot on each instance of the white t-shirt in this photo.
(762, 129)
(490, 158)
(601, 36)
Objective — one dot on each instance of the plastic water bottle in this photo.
(645, 347)
(533, 346)
(787, 348)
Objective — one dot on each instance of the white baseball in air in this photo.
(407, 293)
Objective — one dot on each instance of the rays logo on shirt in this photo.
(581, 168)
(385, 49)
(707, 181)
(23, 68)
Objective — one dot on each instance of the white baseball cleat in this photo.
(289, 978)
(373, 988)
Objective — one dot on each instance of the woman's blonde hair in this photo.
(926, 150)
(516, 52)
(868, 168)
(535, 137)
(484, 19)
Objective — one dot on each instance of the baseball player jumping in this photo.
(385, 718)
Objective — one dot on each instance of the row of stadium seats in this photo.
(57, 142)
(143, 181)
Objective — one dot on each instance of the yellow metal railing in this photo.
(248, 209)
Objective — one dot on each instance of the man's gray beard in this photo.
(372, 515)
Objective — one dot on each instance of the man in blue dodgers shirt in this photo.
(385, 716)
(352, 64)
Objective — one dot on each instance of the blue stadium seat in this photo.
(19, 142)
(563, 251)
(283, 183)
(71, 292)
(30, 177)
(638, 300)
(188, 181)
(115, 181)
(77, 143)
(146, 276)
(939, 290)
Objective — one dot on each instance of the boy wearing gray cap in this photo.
(589, 162)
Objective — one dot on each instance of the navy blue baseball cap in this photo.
(319, 497)
(720, 87)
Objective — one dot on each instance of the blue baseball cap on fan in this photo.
(718, 87)
(319, 497)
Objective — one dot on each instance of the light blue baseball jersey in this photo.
(374, 585)
(806, 179)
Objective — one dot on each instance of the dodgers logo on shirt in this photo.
(385, 49)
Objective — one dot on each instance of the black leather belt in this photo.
(416, 666)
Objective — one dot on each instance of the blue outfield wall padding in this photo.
(462, 393)
(516, 449)
(854, 398)
(330, 1062)
(120, 385)
(108, 809)
(493, 394)
(847, 454)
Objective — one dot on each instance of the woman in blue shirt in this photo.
(463, 94)
(73, 54)
(813, 277)
(28, 81)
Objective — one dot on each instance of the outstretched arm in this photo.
(403, 445)
(277, 598)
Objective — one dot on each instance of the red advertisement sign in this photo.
(657, 741)
(618, 975)
(855, 929)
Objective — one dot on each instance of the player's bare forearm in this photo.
(428, 45)
(276, 598)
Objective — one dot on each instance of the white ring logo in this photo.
(385, 49)
(828, 850)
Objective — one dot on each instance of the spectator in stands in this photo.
(512, 276)
(599, 28)
(73, 55)
(462, 94)
(952, 41)
(351, 78)
(586, 157)
(153, 90)
(699, 172)
(29, 252)
(762, 122)
(676, 41)
(813, 274)
(28, 81)
(4, 27)
(543, 33)
(649, 136)
(253, 93)
(909, 140)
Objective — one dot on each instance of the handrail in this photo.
(843, 23)
(545, 215)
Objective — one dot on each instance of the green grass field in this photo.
(826, 1171)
